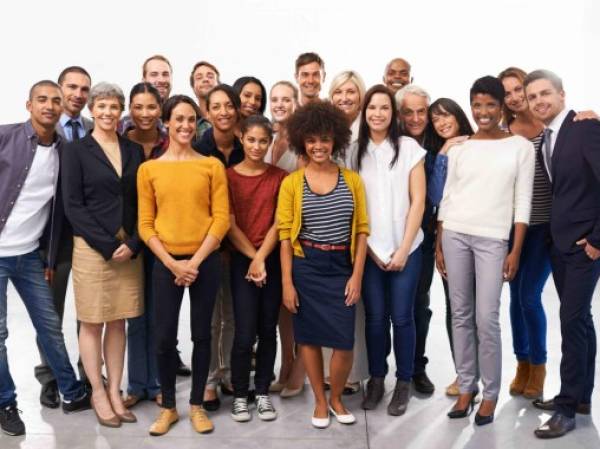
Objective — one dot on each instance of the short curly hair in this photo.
(317, 119)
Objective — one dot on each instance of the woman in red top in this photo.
(255, 270)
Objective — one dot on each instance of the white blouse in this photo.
(387, 191)
(288, 160)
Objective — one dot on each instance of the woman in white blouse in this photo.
(283, 100)
(392, 168)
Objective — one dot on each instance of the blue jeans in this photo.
(26, 272)
(391, 295)
(141, 347)
(527, 317)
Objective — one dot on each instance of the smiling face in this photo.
(379, 113)
(158, 73)
(397, 75)
(282, 103)
(413, 115)
(75, 88)
(319, 148)
(309, 78)
(545, 100)
(487, 111)
(515, 94)
(445, 124)
(144, 111)
(256, 142)
(106, 113)
(182, 124)
(205, 79)
(45, 106)
(251, 99)
(221, 111)
(347, 98)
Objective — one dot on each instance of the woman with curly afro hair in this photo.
(323, 228)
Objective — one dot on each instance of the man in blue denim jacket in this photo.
(29, 216)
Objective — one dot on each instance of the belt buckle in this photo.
(326, 246)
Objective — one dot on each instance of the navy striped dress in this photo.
(320, 278)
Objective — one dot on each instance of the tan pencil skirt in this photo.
(106, 291)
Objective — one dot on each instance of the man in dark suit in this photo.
(571, 154)
(75, 83)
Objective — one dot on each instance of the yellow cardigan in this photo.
(289, 208)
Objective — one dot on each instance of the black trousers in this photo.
(256, 313)
(167, 304)
(422, 311)
(42, 372)
(575, 276)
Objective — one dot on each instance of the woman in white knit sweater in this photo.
(488, 188)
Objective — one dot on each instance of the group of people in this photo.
(326, 221)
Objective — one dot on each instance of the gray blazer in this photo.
(87, 125)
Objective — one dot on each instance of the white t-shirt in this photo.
(29, 215)
(488, 186)
(387, 191)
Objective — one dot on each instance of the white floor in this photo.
(425, 425)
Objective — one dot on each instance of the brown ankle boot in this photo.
(535, 384)
(517, 386)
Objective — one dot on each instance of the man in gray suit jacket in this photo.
(75, 83)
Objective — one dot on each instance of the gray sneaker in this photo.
(399, 402)
(375, 390)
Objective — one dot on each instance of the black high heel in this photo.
(481, 420)
(463, 413)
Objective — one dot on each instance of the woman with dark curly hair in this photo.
(323, 228)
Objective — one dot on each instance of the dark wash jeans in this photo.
(167, 304)
(256, 313)
(527, 317)
(391, 295)
(26, 273)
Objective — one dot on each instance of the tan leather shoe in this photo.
(166, 418)
(452, 389)
(535, 384)
(200, 421)
(517, 386)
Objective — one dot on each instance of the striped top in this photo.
(327, 218)
(541, 202)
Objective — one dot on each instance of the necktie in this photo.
(548, 149)
(74, 129)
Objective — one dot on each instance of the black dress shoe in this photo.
(422, 383)
(555, 427)
(79, 404)
(212, 405)
(182, 369)
(548, 406)
(49, 396)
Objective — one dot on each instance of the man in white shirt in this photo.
(28, 178)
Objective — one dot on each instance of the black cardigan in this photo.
(97, 202)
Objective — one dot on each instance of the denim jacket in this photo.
(18, 144)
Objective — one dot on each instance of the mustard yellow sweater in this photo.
(181, 202)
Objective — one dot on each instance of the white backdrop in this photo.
(449, 43)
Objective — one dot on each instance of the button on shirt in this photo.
(27, 220)
(387, 191)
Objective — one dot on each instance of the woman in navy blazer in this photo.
(100, 198)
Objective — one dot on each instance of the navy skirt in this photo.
(323, 318)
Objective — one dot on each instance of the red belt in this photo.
(324, 246)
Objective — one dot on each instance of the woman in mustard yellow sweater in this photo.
(323, 228)
(183, 216)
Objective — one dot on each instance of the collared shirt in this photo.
(27, 220)
(202, 125)
(388, 196)
(65, 123)
(207, 146)
(554, 126)
(161, 144)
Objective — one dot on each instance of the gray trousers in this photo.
(475, 319)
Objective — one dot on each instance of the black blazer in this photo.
(576, 184)
(97, 202)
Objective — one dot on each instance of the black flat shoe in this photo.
(182, 369)
(212, 405)
(481, 420)
(49, 396)
(463, 413)
(423, 384)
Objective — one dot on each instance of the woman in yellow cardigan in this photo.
(323, 228)
(183, 216)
